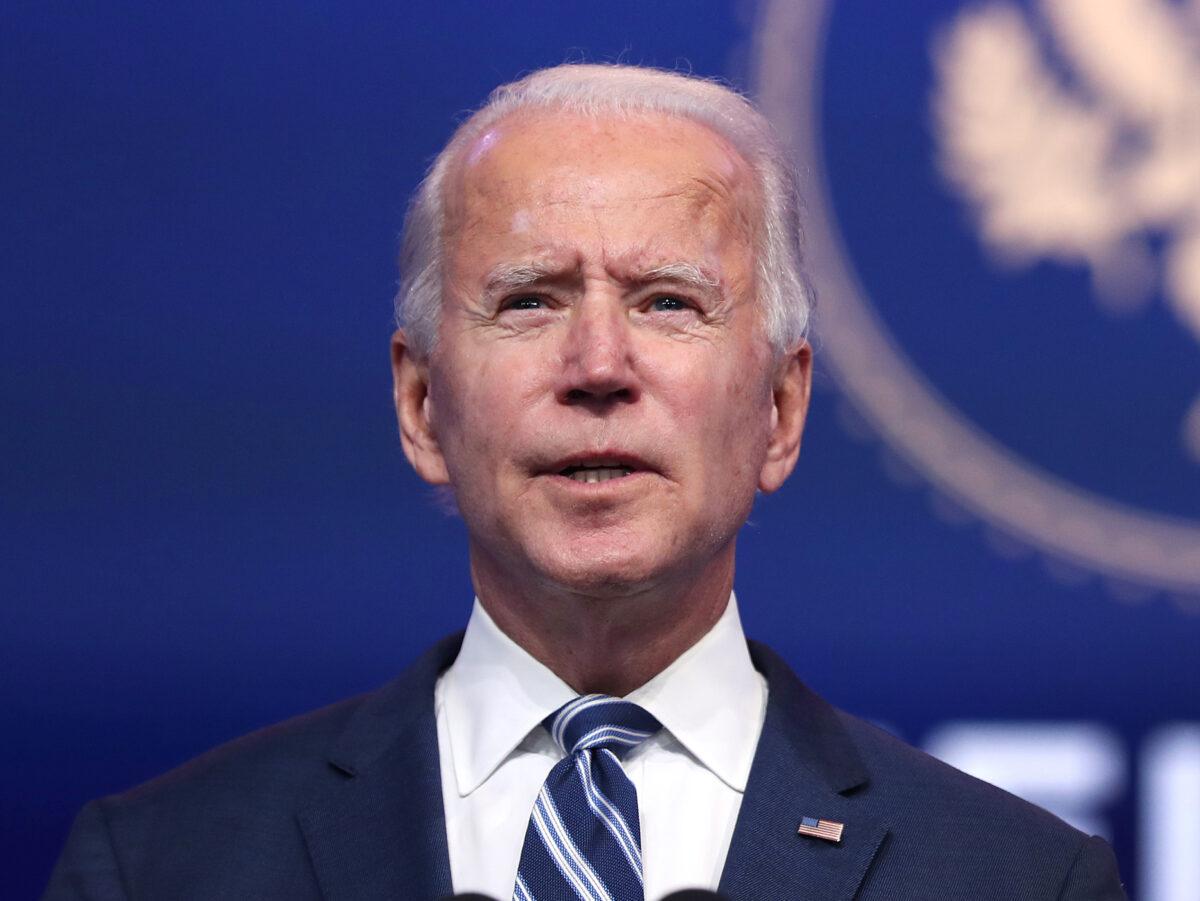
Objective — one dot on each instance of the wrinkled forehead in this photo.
(535, 159)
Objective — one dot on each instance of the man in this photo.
(604, 359)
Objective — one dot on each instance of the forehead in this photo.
(553, 166)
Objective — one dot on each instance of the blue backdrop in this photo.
(208, 524)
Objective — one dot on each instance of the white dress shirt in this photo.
(690, 777)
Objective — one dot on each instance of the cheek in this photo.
(722, 400)
(742, 424)
(479, 404)
(463, 421)
(460, 419)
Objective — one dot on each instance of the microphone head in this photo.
(687, 894)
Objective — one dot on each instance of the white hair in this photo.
(616, 90)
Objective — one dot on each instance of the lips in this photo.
(594, 468)
(596, 472)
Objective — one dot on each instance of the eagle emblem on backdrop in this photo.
(1064, 135)
(1083, 175)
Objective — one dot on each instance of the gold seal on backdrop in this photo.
(1047, 174)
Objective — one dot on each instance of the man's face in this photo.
(602, 394)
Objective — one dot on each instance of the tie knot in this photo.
(598, 721)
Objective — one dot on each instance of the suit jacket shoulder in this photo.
(344, 802)
(913, 826)
(1009, 847)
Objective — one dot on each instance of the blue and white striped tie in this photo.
(584, 840)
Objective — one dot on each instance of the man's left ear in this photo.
(790, 393)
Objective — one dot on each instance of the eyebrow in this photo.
(690, 274)
(514, 276)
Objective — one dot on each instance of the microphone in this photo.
(687, 894)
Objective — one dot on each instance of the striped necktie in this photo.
(584, 840)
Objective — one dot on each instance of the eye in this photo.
(669, 304)
(524, 302)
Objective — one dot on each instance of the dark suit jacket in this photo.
(346, 803)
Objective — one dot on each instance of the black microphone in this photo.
(687, 894)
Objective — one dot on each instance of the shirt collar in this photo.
(710, 699)
(494, 694)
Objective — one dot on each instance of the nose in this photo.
(597, 361)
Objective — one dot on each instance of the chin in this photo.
(604, 575)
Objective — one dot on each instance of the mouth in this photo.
(592, 471)
(593, 468)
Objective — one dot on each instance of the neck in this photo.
(609, 642)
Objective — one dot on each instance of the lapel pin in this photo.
(829, 830)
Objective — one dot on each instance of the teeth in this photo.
(601, 474)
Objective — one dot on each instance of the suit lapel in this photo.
(375, 828)
(805, 765)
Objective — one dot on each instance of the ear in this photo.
(790, 393)
(414, 411)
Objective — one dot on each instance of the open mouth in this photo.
(596, 471)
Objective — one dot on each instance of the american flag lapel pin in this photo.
(829, 830)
